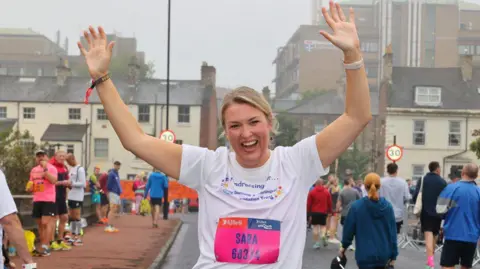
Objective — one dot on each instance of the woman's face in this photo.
(248, 131)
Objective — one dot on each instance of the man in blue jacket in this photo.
(114, 191)
(459, 203)
(157, 182)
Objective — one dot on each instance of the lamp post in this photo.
(165, 195)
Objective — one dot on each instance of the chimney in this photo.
(133, 71)
(266, 94)
(208, 75)
(63, 72)
(388, 63)
(466, 66)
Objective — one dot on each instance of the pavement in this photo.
(184, 252)
(137, 245)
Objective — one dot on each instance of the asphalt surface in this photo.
(184, 253)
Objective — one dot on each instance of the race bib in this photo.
(247, 241)
(38, 187)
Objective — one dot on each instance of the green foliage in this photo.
(17, 158)
(287, 131)
(355, 160)
(220, 136)
(311, 94)
(475, 147)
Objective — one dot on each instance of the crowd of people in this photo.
(376, 218)
(58, 186)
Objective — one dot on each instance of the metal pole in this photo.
(168, 62)
(394, 142)
(165, 192)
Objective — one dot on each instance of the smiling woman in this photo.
(253, 194)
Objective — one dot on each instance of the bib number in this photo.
(247, 241)
(38, 187)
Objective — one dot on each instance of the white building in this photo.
(52, 110)
(435, 115)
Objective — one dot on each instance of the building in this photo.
(309, 62)
(434, 113)
(52, 110)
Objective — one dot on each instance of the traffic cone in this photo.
(134, 212)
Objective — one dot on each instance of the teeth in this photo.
(250, 143)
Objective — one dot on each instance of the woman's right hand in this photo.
(99, 52)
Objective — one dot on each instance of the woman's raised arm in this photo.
(158, 153)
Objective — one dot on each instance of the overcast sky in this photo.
(238, 37)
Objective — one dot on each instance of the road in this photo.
(184, 252)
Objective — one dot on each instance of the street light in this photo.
(165, 195)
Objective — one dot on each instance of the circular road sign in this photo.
(394, 153)
(168, 136)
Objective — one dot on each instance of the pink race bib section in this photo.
(247, 241)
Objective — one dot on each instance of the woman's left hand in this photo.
(345, 35)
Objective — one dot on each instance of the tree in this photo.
(287, 131)
(311, 94)
(16, 158)
(475, 147)
(220, 135)
(355, 160)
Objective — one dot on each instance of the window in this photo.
(3, 112)
(183, 114)
(143, 113)
(74, 113)
(51, 150)
(131, 176)
(318, 128)
(179, 142)
(372, 71)
(454, 134)
(29, 113)
(369, 46)
(101, 147)
(418, 171)
(419, 132)
(101, 115)
(71, 149)
(428, 96)
(466, 49)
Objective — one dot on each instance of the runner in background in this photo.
(94, 186)
(155, 186)
(58, 160)
(347, 197)
(333, 218)
(139, 189)
(114, 191)
(105, 204)
(75, 198)
(42, 183)
(319, 205)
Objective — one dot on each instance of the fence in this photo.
(25, 203)
(411, 235)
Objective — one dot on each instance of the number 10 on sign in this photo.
(394, 153)
(168, 136)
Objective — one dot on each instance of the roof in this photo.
(7, 124)
(65, 132)
(330, 103)
(18, 31)
(456, 93)
(45, 89)
(466, 5)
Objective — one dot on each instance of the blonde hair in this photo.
(372, 184)
(246, 95)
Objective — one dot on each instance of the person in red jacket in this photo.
(319, 205)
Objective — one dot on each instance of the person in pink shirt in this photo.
(42, 184)
(139, 188)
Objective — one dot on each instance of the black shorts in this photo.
(44, 209)
(319, 219)
(457, 252)
(399, 226)
(74, 204)
(61, 206)
(103, 199)
(156, 201)
(430, 224)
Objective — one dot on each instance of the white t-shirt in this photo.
(78, 179)
(7, 206)
(276, 191)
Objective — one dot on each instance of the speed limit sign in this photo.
(394, 153)
(168, 136)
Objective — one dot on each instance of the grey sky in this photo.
(238, 37)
